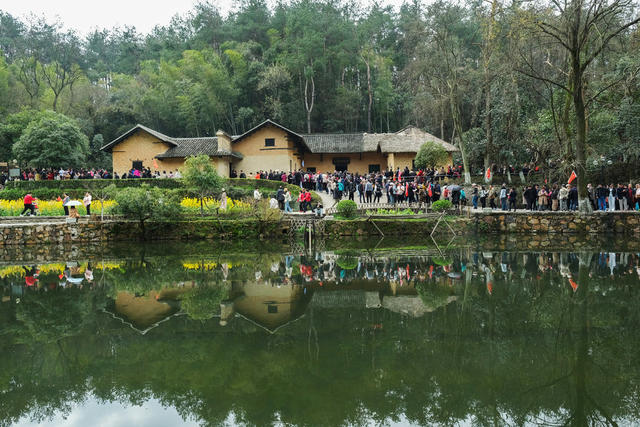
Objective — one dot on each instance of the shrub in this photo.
(441, 205)
(347, 262)
(347, 208)
(147, 203)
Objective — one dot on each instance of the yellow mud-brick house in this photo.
(270, 146)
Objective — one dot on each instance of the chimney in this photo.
(224, 141)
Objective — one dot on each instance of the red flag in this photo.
(406, 190)
(430, 271)
(573, 176)
(488, 174)
(429, 192)
(399, 175)
(573, 284)
(490, 288)
(155, 164)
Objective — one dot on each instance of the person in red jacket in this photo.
(28, 205)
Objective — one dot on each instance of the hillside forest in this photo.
(550, 83)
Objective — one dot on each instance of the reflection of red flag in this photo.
(429, 192)
(490, 288)
(155, 164)
(573, 284)
(573, 176)
(488, 174)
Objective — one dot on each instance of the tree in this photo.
(54, 140)
(201, 177)
(582, 29)
(431, 155)
(147, 203)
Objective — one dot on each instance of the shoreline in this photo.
(56, 230)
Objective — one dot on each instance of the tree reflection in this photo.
(492, 337)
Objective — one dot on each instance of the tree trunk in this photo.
(584, 205)
(370, 95)
(308, 103)
(457, 126)
(488, 125)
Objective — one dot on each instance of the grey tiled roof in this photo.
(195, 146)
(407, 140)
(335, 142)
(160, 136)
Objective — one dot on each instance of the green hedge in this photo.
(92, 184)
(49, 190)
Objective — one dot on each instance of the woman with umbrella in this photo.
(73, 212)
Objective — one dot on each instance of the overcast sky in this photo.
(86, 15)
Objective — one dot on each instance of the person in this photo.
(503, 197)
(368, 190)
(73, 212)
(530, 196)
(573, 198)
(377, 191)
(273, 203)
(280, 198)
(474, 196)
(302, 202)
(621, 195)
(601, 195)
(287, 200)
(483, 197)
(542, 199)
(554, 198)
(637, 194)
(611, 199)
(307, 200)
(256, 195)
(512, 199)
(563, 196)
(87, 202)
(493, 195)
(28, 205)
(223, 200)
(65, 200)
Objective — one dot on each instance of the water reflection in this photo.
(337, 337)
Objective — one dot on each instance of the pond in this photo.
(406, 333)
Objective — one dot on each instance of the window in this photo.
(137, 165)
(374, 168)
(269, 142)
(312, 170)
(272, 309)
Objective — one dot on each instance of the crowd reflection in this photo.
(467, 335)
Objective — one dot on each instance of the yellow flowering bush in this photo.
(18, 270)
(54, 207)
(49, 207)
(192, 204)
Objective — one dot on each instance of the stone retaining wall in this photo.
(556, 222)
(59, 232)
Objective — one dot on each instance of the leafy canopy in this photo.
(431, 155)
(201, 177)
(144, 203)
(52, 140)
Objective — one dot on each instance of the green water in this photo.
(164, 335)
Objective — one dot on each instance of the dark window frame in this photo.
(269, 142)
